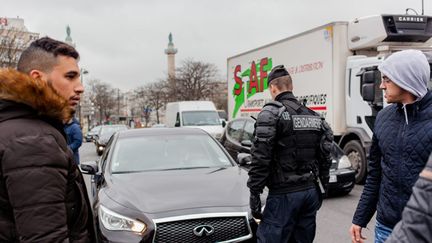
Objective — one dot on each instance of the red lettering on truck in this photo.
(263, 74)
(238, 80)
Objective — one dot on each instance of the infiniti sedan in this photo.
(237, 139)
(169, 185)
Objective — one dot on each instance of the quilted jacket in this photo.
(416, 223)
(401, 146)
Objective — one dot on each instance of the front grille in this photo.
(225, 229)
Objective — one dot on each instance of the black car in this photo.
(105, 133)
(169, 185)
(237, 139)
(90, 134)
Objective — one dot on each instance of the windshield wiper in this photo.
(127, 171)
(138, 171)
(219, 169)
(188, 168)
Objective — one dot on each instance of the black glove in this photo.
(255, 205)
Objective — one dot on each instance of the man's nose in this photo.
(382, 86)
(79, 88)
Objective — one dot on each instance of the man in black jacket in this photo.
(291, 156)
(42, 192)
(401, 143)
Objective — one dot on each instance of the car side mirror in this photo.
(244, 159)
(89, 168)
(223, 123)
(246, 143)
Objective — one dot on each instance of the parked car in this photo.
(90, 134)
(169, 185)
(105, 134)
(238, 136)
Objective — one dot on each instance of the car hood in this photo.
(165, 191)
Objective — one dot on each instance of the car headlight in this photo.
(344, 162)
(114, 221)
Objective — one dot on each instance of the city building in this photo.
(14, 38)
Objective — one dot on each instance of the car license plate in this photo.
(333, 178)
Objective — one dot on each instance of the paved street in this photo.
(334, 218)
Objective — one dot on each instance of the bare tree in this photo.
(152, 97)
(12, 42)
(193, 80)
(103, 97)
(142, 103)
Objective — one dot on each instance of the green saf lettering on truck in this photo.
(257, 82)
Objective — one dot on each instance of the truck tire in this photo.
(356, 154)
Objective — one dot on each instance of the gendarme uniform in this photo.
(290, 152)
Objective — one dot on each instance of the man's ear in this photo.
(36, 74)
(273, 88)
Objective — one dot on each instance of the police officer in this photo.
(291, 156)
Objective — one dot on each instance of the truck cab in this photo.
(364, 99)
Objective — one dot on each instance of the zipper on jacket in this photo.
(402, 157)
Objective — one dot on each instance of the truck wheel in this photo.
(356, 154)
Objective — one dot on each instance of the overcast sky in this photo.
(123, 42)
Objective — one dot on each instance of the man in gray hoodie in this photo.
(400, 144)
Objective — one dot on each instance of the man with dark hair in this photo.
(291, 156)
(42, 192)
(401, 143)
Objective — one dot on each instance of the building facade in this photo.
(14, 38)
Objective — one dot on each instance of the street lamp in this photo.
(82, 73)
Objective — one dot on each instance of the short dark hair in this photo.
(283, 83)
(42, 54)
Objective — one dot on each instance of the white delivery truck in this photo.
(198, 114)
(330, 66)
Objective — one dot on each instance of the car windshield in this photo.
(171, 152)
(200, 118)
(109, 130)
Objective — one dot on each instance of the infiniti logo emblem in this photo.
(203, 230)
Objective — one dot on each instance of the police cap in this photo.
(277, 72)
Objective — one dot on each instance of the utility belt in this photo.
(292, 182)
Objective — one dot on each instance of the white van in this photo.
(198, 114)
